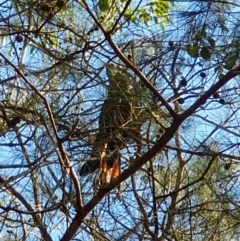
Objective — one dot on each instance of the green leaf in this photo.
(32, 48)
(200, 35)
(212, 42)
(222, 25)
(231, 61)
(10, 53)
(192, 50)
(104, 5)
(156, 11)
(130, 16)
(206, 53)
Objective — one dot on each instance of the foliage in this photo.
(179, 65)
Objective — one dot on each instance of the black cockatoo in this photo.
(115, 116)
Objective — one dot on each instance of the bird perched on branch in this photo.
(113, 135)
